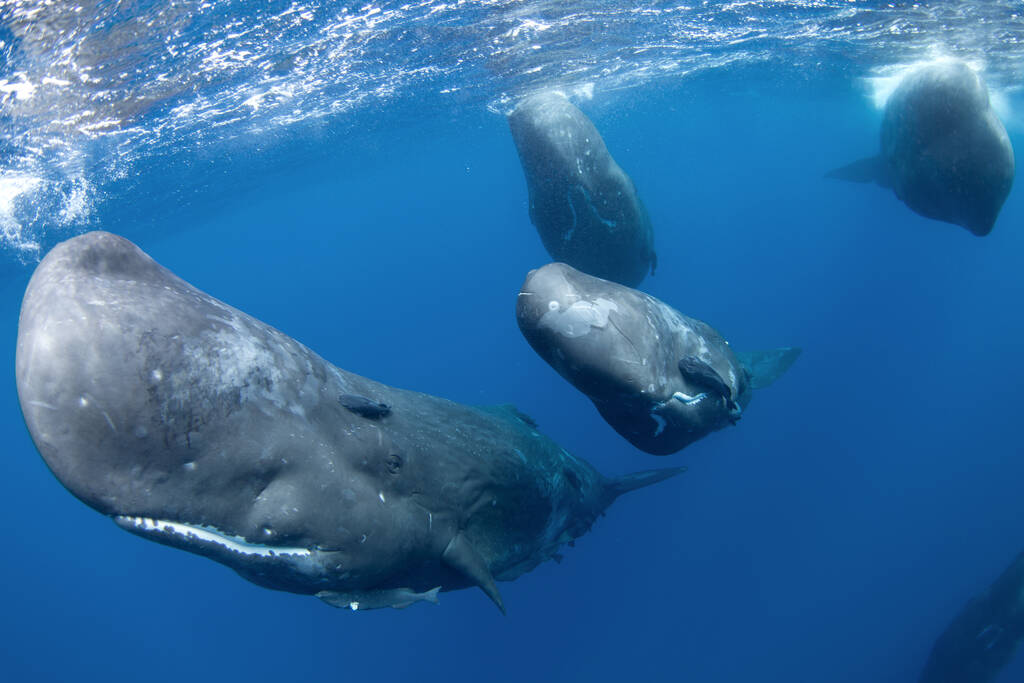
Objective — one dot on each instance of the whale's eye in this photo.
(394, 463)
(573, 479)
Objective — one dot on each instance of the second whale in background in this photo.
(661, 379)
(584, 206)
(943, 150)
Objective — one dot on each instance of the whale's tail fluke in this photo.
(869, 170)
(764, 367)
(637, 480)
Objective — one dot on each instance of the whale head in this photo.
(195, 425)
(625, 350)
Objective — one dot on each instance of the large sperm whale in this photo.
(195, 425)
(944, 151)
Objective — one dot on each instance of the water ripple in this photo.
(89, 90)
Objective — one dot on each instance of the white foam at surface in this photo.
(13, 187)
(887, 79)
(22, 89)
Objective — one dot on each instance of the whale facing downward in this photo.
(944, 151)
(660, 379)
(194, 425)
(586, 209)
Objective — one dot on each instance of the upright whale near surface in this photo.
(195, 425)
(585, 207)
(944, 152)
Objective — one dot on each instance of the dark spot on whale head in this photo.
(573, 479)
(394, 463)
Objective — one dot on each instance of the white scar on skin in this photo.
(661, 423)
(578, 319)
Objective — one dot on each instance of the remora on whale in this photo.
(586, 209)
(661, 379)
(195, 425)
(944, 151)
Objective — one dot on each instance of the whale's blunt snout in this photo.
(543, 289)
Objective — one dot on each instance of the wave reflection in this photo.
(89, 90)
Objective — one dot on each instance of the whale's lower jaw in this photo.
(204, 535)
(289, 568)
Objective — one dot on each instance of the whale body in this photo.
(195, 425)
(984, 636)
(944, 151)
(661, 379)
(584, 206)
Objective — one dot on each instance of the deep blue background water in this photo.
(830, 536)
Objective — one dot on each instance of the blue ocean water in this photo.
(344, 172)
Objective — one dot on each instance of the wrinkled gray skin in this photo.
(622, 348)
(584, 206)
(195, 425)
(943, 149)
(983, 638)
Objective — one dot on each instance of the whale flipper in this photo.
(704, 376)
(764, 367)
(461, 556)
(869, 170)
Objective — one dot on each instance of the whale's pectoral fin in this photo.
(869, 170)
(702, 375)
(764, 367)
(461, 556)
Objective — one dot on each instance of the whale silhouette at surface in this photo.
(586, 209)
(197, 426)
(944, 151)
(661, 379)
